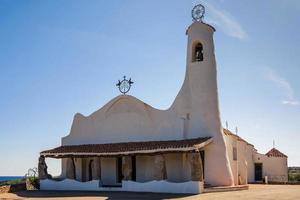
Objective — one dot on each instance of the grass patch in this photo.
(294, 174)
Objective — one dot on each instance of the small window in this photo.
(234, 153)
(198, 53)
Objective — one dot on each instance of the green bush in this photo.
(12, 182)
(34, 181)
(294, 177)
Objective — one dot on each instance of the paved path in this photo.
(255, 192)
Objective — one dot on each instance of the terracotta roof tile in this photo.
(275, 153)
(127, 148)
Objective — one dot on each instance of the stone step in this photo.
(225, 188)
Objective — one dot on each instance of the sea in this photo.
(10, 178)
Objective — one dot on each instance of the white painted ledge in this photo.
(190, 187)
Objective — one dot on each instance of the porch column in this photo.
(70, 172)
(160, 172)
(96, 168)
(126, 168)
(42, 169)
(196, 167)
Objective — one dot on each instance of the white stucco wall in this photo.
(190, 187)
(231, 142)
(198, 98)
(250, 162)
(274, 167)
(126, 118)
(244, 165)
(109, 171)
(242, 162)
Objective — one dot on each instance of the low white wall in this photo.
(69, 184)
(190, 187)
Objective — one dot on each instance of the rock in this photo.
(159, 168)
(96, 169)
(126, 168)
(196, 167)
(70, 173)
(42, 168)
(32, 185)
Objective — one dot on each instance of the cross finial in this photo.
(198, 13)
(124, 85)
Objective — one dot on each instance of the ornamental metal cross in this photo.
(124, 85)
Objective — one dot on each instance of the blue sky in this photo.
(58, 58)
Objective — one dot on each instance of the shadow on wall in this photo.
(101, 195)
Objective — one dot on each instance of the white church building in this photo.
(127, 145)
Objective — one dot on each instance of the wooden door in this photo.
(258, 171)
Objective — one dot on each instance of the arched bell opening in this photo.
(197, 52)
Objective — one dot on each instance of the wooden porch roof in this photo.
(128, 148)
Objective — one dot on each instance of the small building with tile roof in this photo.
(249, 166)
(275, 153)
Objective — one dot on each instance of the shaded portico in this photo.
(117, 164)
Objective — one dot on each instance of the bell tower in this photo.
(198, 99)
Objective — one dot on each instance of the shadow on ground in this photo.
(101, 195)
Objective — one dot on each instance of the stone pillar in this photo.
(160, 172)
(31, 184)
(126, 168)
(196, 167)
(96, 169)
(70, 171)
(42, 168)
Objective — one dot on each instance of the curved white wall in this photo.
(126, 118)
(198, 98)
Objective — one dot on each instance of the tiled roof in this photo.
(127, 148)
(275, 153)
(228, 132)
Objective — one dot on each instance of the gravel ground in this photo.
(255, 192)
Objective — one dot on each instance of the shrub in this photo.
(294, 177)
(12, 182)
